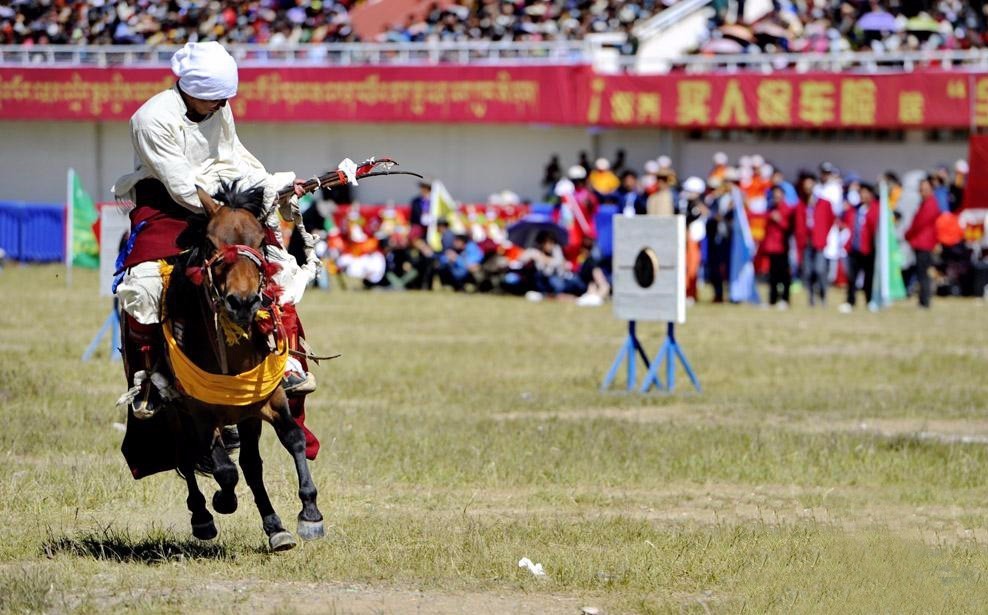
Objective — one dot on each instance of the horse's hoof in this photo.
(310, 530)
(225, 504)
(204, 531)
(281, 541)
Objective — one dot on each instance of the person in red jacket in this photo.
(775, 245)
(922, 236)
(861, 221)
(814, 219)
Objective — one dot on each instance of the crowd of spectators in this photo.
(151, 22)
(792, 25)
(523, 20)
(274, 22)
(853, 25)
(816, 229)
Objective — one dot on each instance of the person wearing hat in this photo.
(185, 138)
(603, 181)
(719, 169)
(692, 206)
(961, 170)
(578, 206)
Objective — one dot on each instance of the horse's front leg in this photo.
(226, 476)
(250, 462)
(193, 446)
(310, 522)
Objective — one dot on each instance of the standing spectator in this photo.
(922, 236)
(961, 170)
(720, 222)
(603, 181)
(719, 168)
(941, 187)
(553, 173)
(662, 202)
(775, 245)
(419, 217)
(631, 201)
(691, 205)
(861, 220)
(814, 219)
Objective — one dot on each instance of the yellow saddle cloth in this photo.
(242, 389)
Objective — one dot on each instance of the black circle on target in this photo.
(646, 264)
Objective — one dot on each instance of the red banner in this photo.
(525, 94)
(543, 94)
(823, 100)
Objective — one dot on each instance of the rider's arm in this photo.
(159, 151)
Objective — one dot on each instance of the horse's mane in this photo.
(235, 196)
(181, 291)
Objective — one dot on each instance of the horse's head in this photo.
(235, 264)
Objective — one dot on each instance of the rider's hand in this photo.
(299, 186)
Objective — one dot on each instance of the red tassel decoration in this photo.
(230, 254)
(274, 291)
(271, 269)
(265, 326)
(195, 275)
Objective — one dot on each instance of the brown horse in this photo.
(221, 286)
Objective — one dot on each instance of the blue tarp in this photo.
(33, 232)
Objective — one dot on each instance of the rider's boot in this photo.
(297, 381)
(147, 371)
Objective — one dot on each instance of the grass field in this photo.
(832, 464)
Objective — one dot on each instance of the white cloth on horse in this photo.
(206, 71)
(182, 154)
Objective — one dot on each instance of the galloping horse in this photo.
(228, 349)
(228, 353)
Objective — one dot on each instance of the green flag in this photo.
(897, 288)
(85, 248)
(887, 285)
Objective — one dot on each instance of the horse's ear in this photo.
(210, 205)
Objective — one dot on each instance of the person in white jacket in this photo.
(185, 138)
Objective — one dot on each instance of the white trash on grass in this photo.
(535, 569)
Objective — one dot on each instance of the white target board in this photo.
(113, 224)
(649, 268)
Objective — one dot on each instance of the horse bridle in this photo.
(229, 254)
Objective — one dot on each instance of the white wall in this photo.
(473, 160)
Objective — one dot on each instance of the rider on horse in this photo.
(185, 139)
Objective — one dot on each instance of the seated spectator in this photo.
(459, 265)
(553, 277)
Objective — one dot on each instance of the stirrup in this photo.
(296, 385)
(148, 394)
(138, 397)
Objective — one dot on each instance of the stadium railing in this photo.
(598, 52)
(334, 54)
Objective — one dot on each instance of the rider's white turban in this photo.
(206, 71)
